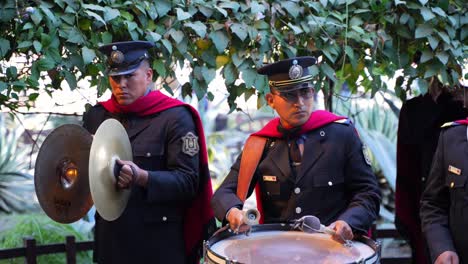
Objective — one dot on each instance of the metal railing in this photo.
(31, 250)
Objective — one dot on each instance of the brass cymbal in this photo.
(109, 144)
(61, 174)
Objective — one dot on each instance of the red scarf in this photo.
(199, 214)
(316, 120)
(462, 122)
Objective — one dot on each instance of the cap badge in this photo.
(296, 71)
(117, 57)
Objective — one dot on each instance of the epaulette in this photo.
(344, 121)
(450, 124)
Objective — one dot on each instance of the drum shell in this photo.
(212, 257)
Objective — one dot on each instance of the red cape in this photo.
(316, 120)
(199, 214)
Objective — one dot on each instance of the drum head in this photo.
(278, 246)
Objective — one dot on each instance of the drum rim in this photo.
(282, 227)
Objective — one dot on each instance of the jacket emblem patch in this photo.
(190, 144)
(367, 155)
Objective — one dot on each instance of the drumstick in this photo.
(312, 222)
(251, 216)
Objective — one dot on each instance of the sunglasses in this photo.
(293, 96)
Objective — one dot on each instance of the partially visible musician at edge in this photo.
(313, 162)
(168, 211)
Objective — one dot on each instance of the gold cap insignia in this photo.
(296, 71)
(117, 57)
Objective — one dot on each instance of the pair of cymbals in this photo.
(73, 169)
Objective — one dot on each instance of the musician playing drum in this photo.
(312, 162)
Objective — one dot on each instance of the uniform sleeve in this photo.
(225, 196)
(180, 181)
(435, 204)
(361, 187)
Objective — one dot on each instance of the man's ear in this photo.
(149, 74)
(270, 100)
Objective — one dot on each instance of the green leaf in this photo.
(256, 8)
(182, 15)
(423, 31)
(432, 70)
(24, 44)
(222, 11)
(439, 11)
(177, 35)
(74, 36)
(207, 12)
(94, 7)
(106, 37)
(158, 65)
(444, 37)
(399, 2)
(423, 2)
(220, 40)
(422, 85)
(404, 18)
(95, 16)
(27, 26)
(230, 73)
(71, 80)
(208, 74)
(234, 6)
(49, 14)
(45, 64)
(4, 47)
(297, 30)
(198, 27)
(88, 55)
(240, 30)
(325, 68)
(291, 7)
(249, 76)
(163, 7)
(426, 56)
(37, 46)
(350, 52)
(36, 17)
(427, 14)
(443, 57)
(12, 72)
(3, 86)
(167, 44)
(199, 90)
(110, 13)
(433, 42)
(153, 36)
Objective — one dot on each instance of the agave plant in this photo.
(16, 184)
(377, 124)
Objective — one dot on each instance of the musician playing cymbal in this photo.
(167, 213)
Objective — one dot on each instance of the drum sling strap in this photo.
(251, 155)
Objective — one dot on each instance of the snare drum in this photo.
(278, 243)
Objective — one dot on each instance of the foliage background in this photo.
(357, 42)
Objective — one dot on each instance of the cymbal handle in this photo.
(117, 168)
